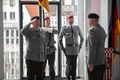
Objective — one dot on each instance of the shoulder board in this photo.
(64, 26)
(76, 26)
(32, 28)
(92, 28)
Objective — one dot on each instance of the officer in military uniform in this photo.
(35, 54)
(72, 49)
(50, 31)
(95, 56)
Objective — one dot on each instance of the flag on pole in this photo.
(114, 28)
(44, 4)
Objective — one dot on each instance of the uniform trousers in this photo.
(97, 73)
(71, 66)
(51, 60)
(34, 68)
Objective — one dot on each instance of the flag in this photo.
(114, 28)
(108, 68)
(44, 4)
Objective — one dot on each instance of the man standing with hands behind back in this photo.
(50, 31)
(95, 55)
(35, 46)
(72, 49)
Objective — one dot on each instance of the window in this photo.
(12, 33)
(12, 60)
(11, 49)
(68, 2)
(7, 41)
(76, 2)
(12, 2)
(4, 16)
(16, 33)
(7, 33)
(16, 41)
(12, 41)
(12, 15)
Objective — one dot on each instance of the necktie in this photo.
(49, 39)
(37, 33)
(72, 29)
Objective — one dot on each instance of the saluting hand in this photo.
(33, 21)
(91, 67)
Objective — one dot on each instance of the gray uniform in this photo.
(95, 46)
(50, 37)
(35, 45)
(50, 50)
(71, 39)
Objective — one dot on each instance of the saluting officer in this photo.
(95, 55)
(50, 31)
(71, 33)
(35, 46)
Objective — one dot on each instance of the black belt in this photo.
(73, 45)
(48, 47)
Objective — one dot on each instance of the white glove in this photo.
(47, 29)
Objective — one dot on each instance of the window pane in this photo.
(11, 16)
(67, 2)
(16, 41)
(16, 33)
(12, 41)
(4, 15)
(7, 33)
(12, 2)
(11, 52)
(7, 41)
(12, 33)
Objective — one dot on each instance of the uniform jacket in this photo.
(35, 46)
(52, 41)
(70, 39)
(95, 46)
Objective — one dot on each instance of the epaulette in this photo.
(31, 28)
(64, 26)
(92, 28)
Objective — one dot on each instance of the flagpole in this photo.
(43, 19)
